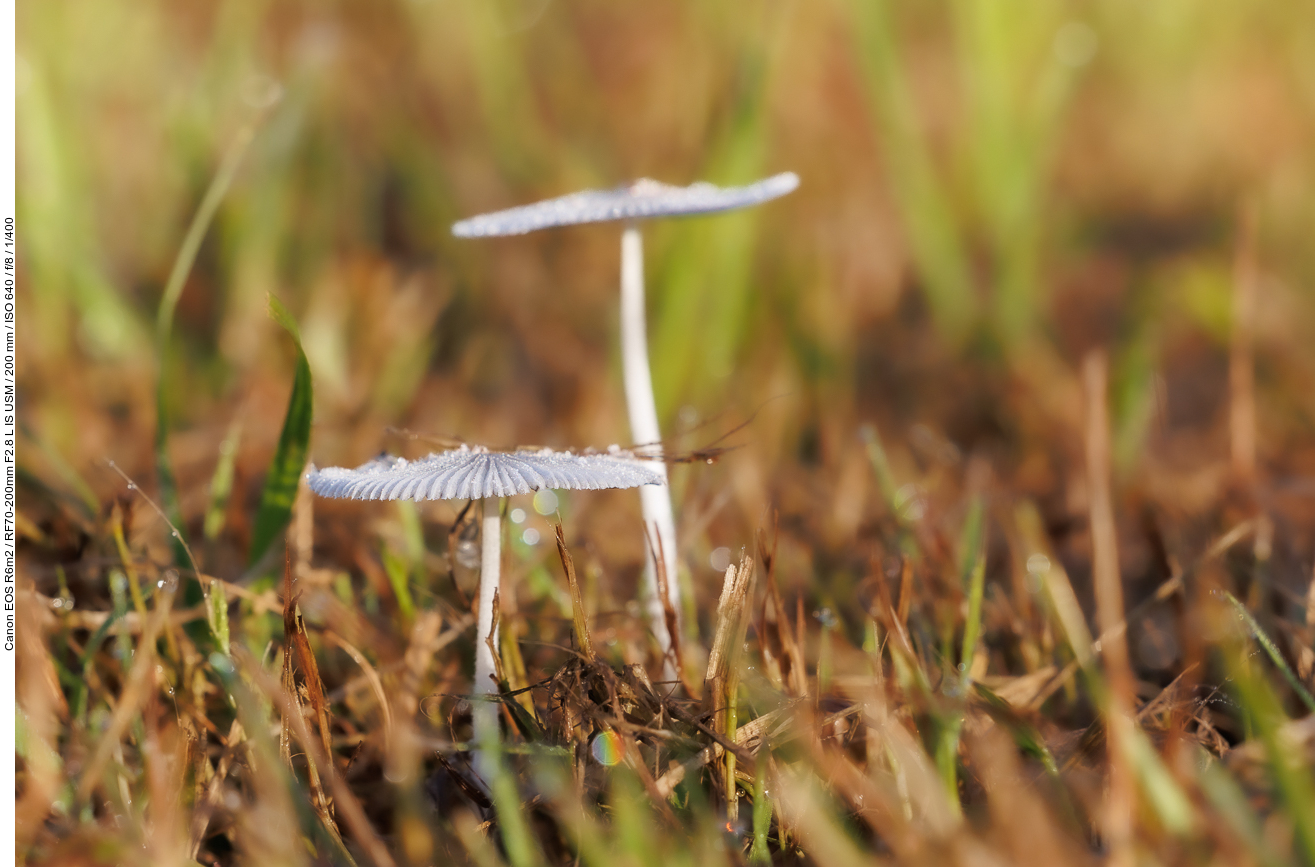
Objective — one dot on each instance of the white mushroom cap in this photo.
(468, 473)
(640, 200)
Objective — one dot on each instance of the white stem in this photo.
(656, 499)
(490, 570)
(485, 713)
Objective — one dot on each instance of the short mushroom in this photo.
(644, 199)
(474, 473)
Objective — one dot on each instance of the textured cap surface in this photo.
(640, 200)
(473, 473)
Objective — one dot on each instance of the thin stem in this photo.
(655, 499)
(196, 231)
(1121, 794)
(489, 577)
(485, 712)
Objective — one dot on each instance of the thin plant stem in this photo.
(489, 580)
(1120, 803)
(655, 499)
(484, 712)
(201, 220)
(1272, 651)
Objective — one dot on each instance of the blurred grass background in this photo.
(983, 183)
(1000, 183)
(989, 191)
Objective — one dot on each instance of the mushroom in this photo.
(644, 199)
(475, 473)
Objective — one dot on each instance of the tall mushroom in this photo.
(474, 473)
(644, 199)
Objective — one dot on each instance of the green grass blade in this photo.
(399, 579)
(1230, 803)
(221, 484)
(290, 457)
(413, 534)
(217, 616)
(762, 816)
(521, 847)
(934, 236)
(972, 576)
(86, 660)
(81, 493)
(1171, 804)
(1272, 651)
(119, 599)
(704, 286)
(173, 290)
(973, 628)
(901, 507)
(1293, 781)
(881, 468)
(168, 485)
(205, 214)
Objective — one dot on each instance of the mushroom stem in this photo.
(656, 499)
(490, 571)
(484, 714)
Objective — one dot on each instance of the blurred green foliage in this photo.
(980, 158)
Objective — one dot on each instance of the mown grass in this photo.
(1015, 392)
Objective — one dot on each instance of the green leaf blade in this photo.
(284, 477)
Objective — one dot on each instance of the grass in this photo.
(901, 753)
(992, 598)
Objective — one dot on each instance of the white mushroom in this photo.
(474, 473)
(641, 200)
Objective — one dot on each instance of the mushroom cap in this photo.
(468, 473)
(640, 200)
